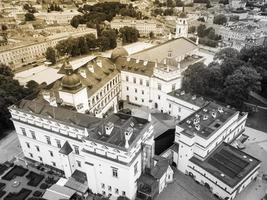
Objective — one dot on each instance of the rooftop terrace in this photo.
(228, 164)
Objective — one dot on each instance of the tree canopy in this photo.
(220, 19)
(10, 92)
(50, 55)
(129, 34)
(230, 78)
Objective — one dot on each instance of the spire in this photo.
(67, 66)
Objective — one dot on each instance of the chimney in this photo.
(109, 127)
(128, 134)
(197, 127)
(83, 73)
(99, 63)
(91, 68)
(213, 114)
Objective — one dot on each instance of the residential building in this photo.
(143, 26)
(23, 53)
(54, 17)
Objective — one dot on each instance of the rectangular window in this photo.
(28, 144)
(123, 193)
(103, 185)
(51, 153)
(54, 164)
(158, 97)
(170, 105)
(159, 86)
(40, 158)
(58, 143)
(127, 88)
(33, 135)
(79, 163)
(31, 155)
(147, 83)
(109, 188)
(115, 172)
(127, 78)
(48, 139)
(76, 149)
(135, 90)
(135, 168)
(141, 81)
(135, 98)
(104, 193)
(23, 131)
(142, 100)
(37, 148)
(134, 80)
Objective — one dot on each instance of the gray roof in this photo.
(179, 47)
(160, 168)
(66, 149)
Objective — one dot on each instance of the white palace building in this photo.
(74, 126)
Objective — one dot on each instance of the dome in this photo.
(71, 82)
(118, 52)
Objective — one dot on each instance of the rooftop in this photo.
(178, 47)
(113, 129)
(206, 120)
(188, 97)
(228, 164)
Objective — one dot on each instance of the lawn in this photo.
(22, 195)
(15, 171)
(35, 178)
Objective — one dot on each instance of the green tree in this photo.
(75, 21)
(50, 55)
(129, 34)
(226, 53)
(29, 17)
(10, 92)
(239, 84)
(151, 35)
(220, 19)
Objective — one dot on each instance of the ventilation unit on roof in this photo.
(188, 121)
(197, 127)
(182, 92)
(194, 97)
(220, 109)
(213, 114)
(109, 127)
(222, 175)
(197, 115)
(205, 117)
(205, 110)
(196, 120)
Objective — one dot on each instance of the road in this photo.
(9, 147)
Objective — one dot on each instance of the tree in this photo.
(4, 27)
(201, 30)
(10, 92)
(239, 84)
(226, 53)
(50, 55)
(192, 29)
(220, 19)
(75, 21)
(112, 36)
(103, 43)
(151, 35)
(194, 80)
(129, 34)
(29, 17)
(170, 3)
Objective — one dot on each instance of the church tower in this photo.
(181, 27)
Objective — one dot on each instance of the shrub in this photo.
(44, 186)
(37, 193)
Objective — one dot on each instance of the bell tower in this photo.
(181, 27)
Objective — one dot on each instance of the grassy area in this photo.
(15, 171)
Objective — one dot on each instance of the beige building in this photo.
(143, 26)
(57, 17)
(23, 53)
